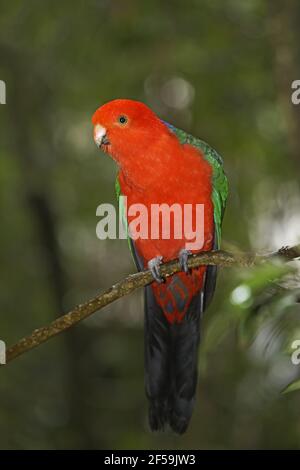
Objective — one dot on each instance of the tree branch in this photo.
(135, 281)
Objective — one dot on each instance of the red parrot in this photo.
(160, 164)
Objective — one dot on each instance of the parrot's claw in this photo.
(183, 259)
(153, 266)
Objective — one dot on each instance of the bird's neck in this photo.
(145, 168)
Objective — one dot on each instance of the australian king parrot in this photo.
(159, 164)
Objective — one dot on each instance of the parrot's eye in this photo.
(122, 120)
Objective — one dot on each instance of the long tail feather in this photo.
(171, 361)
(185, 343)
(157, 362)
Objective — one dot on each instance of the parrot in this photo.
(158, 163)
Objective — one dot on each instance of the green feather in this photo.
(122, 213)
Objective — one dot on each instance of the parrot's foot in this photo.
(153, 266)
(183, 259)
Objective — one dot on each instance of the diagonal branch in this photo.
(135, 281)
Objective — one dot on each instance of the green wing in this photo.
(122, 210)
(118, 189)
(219, 179)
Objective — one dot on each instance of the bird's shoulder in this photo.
(219, 178)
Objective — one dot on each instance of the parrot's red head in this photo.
(125, 128)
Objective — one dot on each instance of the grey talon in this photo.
(153, 266)
(183, 259)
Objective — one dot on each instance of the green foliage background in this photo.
(220, 70)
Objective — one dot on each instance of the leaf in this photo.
(292, 387)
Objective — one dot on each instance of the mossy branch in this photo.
(134, 282)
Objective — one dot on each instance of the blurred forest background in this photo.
(221, 70)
